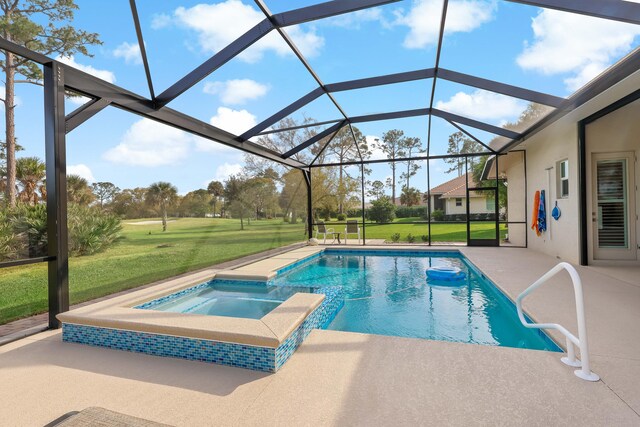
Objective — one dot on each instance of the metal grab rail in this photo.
(584, 373)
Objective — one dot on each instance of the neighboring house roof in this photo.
(454, 188)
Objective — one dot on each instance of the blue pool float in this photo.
(445, 273)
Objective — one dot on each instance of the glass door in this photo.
(482, 217)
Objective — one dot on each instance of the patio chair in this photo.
(322, 229)
(351, 228)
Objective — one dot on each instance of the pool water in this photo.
(390, 295)
(228, 298)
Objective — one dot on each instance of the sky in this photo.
(543, 50)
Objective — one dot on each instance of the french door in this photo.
(613, 211)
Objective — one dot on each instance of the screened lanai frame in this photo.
(60, 78)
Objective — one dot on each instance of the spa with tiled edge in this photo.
(130, 323)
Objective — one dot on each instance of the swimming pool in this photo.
(388, 293)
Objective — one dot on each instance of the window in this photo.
(491, 204)
(562, 175)
(458, 202)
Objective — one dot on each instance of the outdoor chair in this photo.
(351, 228)
(322, 229)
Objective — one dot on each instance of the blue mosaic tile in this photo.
(394, 252)
(299, 263)
(257, 358)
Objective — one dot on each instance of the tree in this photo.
(30, 174)
(131, 203)
(104, 192)
(459, 143)
(195, 204)
(409, 145)
(293, 197)
(162, 195)
(236, 198)
(410, 196)
(344, 148)
(22, 22)
(216, 190)
(78, 191)
(261, 195)
(392, 147)
(382, 211)
(376, 189)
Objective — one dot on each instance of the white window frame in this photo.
(561, 178)
(458, 201)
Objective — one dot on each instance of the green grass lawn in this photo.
(143, 255)
(439, 232)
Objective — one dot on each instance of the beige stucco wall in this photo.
(476, 205)
(560, 141)
(512, 166)
(555, 143)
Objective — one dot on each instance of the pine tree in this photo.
(21, 23)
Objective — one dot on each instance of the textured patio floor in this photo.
(339, 378)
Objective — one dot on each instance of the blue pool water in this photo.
(390, 295)
(385, 293)
(227, 298)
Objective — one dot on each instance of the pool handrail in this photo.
(571, 340)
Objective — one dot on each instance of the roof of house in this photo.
(454, 188)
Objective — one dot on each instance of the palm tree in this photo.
(30, 174)
(216, 189)
(78, 190)
(162, 195)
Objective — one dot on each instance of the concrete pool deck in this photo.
(339, 378)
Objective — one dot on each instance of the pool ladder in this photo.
(582, 343)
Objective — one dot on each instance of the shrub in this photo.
(30, 223)
(425, 238)
(91, 230)
(410, 211)
(437, 215)
(411, 238)
(382, 211)
(10, 245)
(395, 237)
(341, 217)
(286, 218)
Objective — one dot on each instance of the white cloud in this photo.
(105, 75)
(374, 147)
(483, 105)
(570, 43)
(130, 52)
(149, 143)
(225, 170)
(423, 19)
(77, 100)
(308, 42)
(82, 171)
(220, 24)
(234, 121)
(354, 20)
(160, 20)
(236, 91)
(208, 146)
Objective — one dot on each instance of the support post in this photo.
(364, 231)
(56, 173)
(307, 180)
